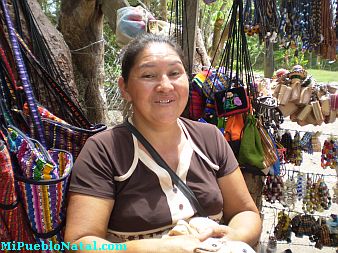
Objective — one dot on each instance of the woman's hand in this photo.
(220, 231)
(179, 244)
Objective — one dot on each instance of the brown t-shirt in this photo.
(111, 165)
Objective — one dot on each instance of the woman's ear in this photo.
(123, 89)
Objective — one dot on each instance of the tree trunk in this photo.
(189, 33)
(268, 60)
(220, 47)
(206, 29)
(58, 48)
(201, 17)
(163, 10)
(217, 31)
(81, 23)
(201, 59)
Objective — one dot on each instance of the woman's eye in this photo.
(147, 76)
(175, 73)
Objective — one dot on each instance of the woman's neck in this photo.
(159, 135)
(168, 141)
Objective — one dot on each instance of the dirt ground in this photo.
(311, 164)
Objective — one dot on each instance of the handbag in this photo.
(233, 132)
(270, 155)
(130, 22)
(42, 179)
(159, 160)
(251, 150)
(215, 81)
(61, 135)
(231, 101)
(13, 222)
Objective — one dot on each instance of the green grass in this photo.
(324, 76)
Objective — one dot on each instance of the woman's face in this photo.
(158, 85)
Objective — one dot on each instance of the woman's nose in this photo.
(165, 84)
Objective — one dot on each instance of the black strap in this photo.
(9, 206)
(51, 233)
(159, 160)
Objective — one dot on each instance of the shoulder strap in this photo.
(159, 160)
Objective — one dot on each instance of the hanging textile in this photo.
(41, 145)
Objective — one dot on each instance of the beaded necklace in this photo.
(328, 46)
(315, 24)
(336, 18)
(304, 16)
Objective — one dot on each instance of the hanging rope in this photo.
(23, 74)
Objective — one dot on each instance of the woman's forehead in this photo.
(157, 50)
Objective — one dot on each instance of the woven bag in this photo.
(13, 221)
(61, 135)
(42, 178)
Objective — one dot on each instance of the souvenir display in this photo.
(305, 101)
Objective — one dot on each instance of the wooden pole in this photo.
(190, 14)
(268, 60)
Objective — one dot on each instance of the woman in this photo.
(117, 188)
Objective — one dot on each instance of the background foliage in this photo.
(283, 58)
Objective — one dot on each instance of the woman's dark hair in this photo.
(136, 46)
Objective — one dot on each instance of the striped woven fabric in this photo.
(42, 178)
(45, 201)
(199, 78)
(33, 162)
(67, 137)
(13, 221)
(216, 81)
(61, 135)
(44, 113)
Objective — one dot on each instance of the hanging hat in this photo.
(297, 68)
(281, 72)
(297, 72)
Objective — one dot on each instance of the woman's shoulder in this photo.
(112, 135)
(197, 128)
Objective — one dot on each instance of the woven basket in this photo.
(45, 201)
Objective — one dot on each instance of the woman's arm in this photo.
(87, 221)
(239, 209)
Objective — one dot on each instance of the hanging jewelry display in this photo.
(273, 189)
(315, 142)
(296, 157)
(301, 186)
(335, 193)
(307, 199)
(322, 235)
(290, 189)
(282, 230)
(327, 48)
(323, 194)
(262, 19)
(286, 142)
(289, 29)
(305, 23)
(304, 225)
(336, 19)
(329, 156)
(306, 143)
(251, 24)
(321, 231)
(315, 27)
